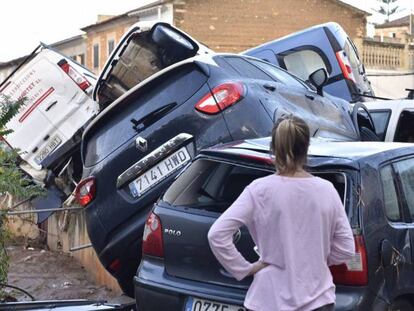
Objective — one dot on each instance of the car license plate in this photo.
(195, 304)
(52, 145)
(158, 172)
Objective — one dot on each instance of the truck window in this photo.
(404, 132)
(303, 62)
(381, 119)
(405, 170)
(392, 209)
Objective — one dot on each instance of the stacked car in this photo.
(180, 134)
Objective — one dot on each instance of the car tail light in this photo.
(354, 272)
(221, 97)
(345, 66)
(152, 239)
(74, 75)
(86, 191)
(115, 266)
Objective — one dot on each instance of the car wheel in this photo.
(368, 135)
(400, 305)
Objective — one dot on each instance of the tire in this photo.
(367, 134)
(401, 305)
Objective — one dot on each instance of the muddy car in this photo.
(134, 149)
(178, 271)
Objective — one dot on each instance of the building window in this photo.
(111, 46)
(96, 56)
(81, 59)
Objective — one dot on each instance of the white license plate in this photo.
(51, 145)
(195, 304)
(158, 172)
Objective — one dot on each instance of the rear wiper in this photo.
(139, 125)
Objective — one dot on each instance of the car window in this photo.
(405, 171)
(405, 129)
(214, 186)
(246, 69)
(303, 62)
(381, 119)
(278, 74)
(392, 209)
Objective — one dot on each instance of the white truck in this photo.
(47, 130)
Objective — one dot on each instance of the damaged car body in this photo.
(374, 180)
(146, 134)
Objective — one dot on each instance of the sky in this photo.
(24, 23)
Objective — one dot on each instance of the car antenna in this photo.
(372, 96)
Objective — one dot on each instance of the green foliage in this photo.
(12, 179)
(387, 8)
(8, 109)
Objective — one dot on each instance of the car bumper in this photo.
(155, 290)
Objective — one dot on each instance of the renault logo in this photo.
(141, 144)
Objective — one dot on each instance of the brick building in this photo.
(398, 30)
(225, 25)
(236, 25)
(105, 34)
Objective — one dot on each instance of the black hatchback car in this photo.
(135, 147)
(375, 180)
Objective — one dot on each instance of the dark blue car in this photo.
(375, 180)
(181, 104)
(322, 46)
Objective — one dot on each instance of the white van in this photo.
(48, 127)
(393, 119)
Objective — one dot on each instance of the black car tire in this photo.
(368, 135)
(400, 305)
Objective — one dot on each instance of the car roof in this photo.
(321, 152)
(390, 104)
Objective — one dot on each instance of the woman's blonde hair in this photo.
(290, 143)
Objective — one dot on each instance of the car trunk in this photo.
(192, 204)
(140, 55)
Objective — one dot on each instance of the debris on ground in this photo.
(50, 275)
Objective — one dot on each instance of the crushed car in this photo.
(186, 98)
(178, 270)
(321, 46)
(48, 128)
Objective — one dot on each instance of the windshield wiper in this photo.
(139, 125)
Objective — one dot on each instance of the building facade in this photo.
(236, 25)
(396, 31)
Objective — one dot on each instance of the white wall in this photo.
(390, 84)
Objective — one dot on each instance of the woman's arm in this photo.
(221, 234)
(342, 244)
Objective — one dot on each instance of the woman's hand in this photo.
(257, 266)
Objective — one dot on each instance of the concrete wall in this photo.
(391, 84)
(68, 229)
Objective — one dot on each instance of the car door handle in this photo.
(311, 97)
(51, 105)
(269, 87)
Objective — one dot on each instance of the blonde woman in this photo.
(297, 222)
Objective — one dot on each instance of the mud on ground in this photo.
(50, 275)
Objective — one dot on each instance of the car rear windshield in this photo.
(115, 127)
(214, 186)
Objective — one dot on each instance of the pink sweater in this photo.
(300, 227)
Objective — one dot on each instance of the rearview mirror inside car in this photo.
(318, 79)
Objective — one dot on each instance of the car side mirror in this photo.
(170, 38)
(318, 79)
